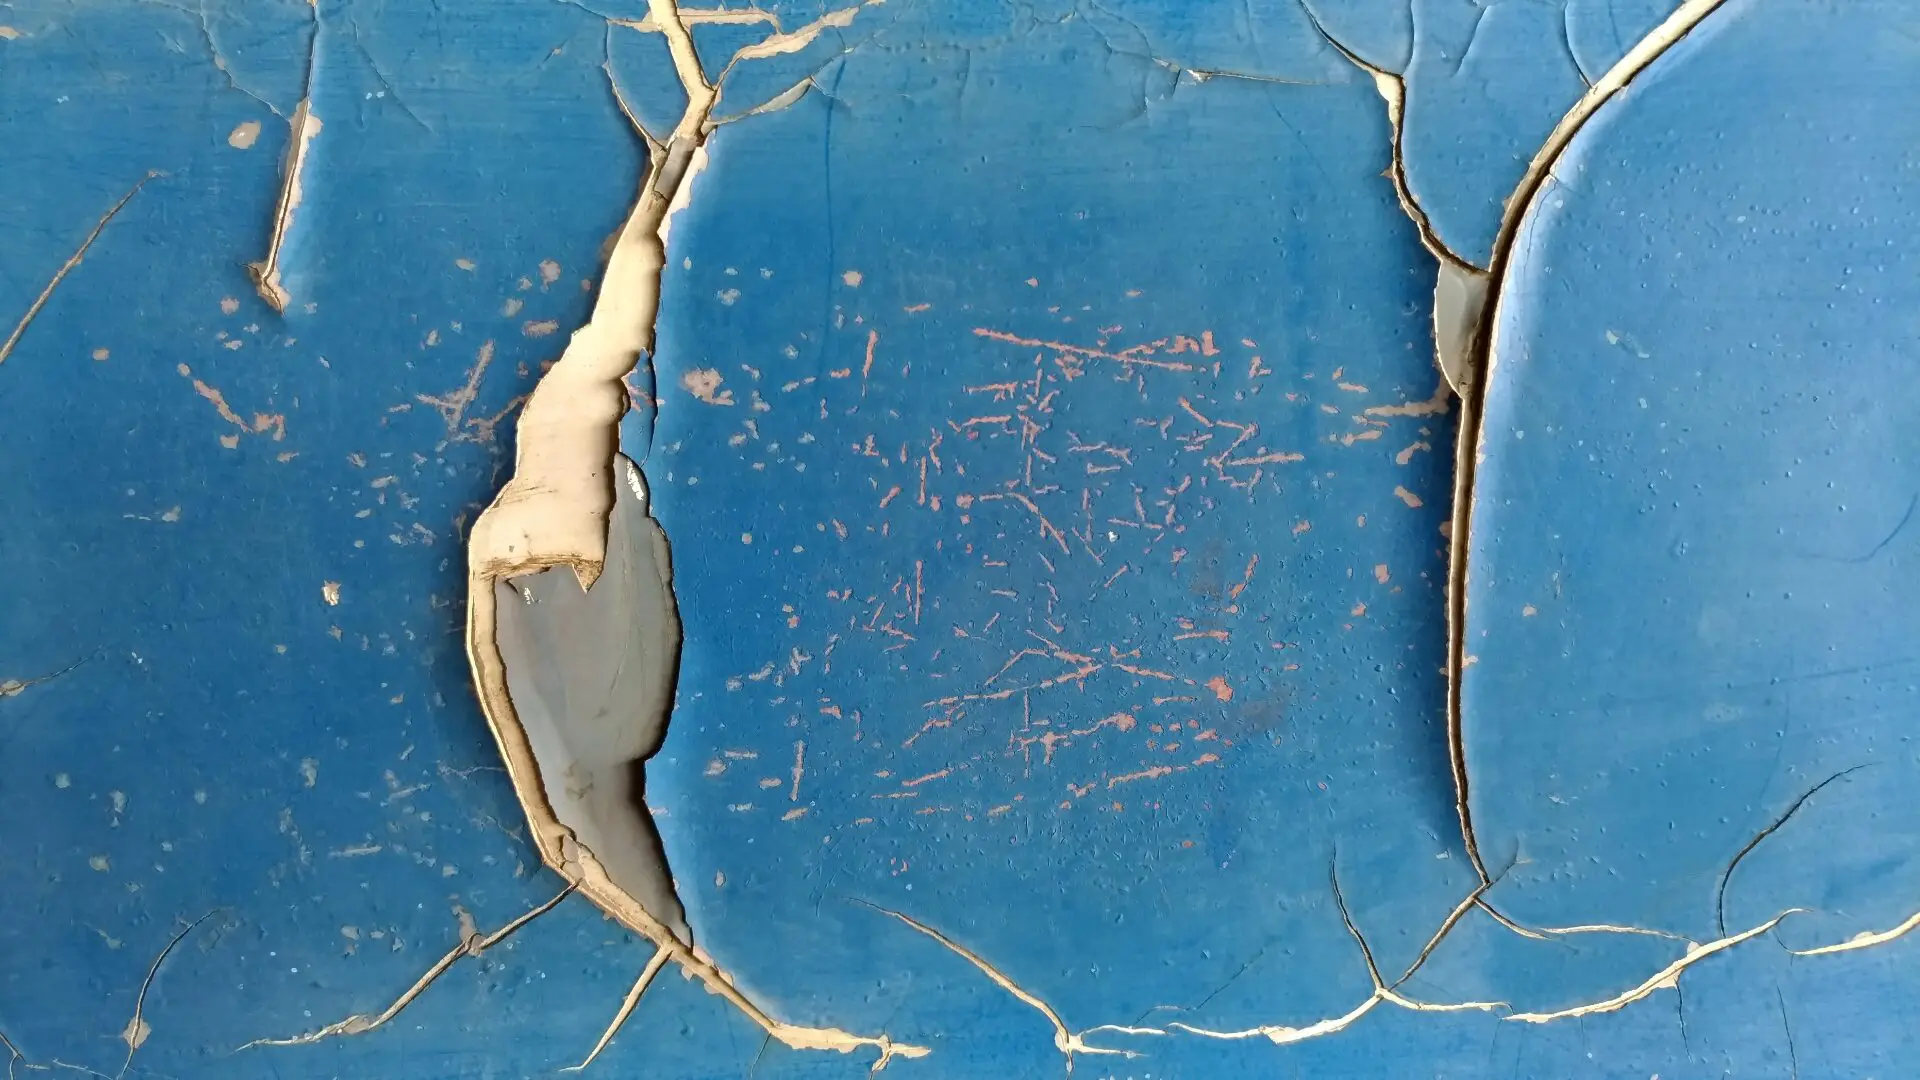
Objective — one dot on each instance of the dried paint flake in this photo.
(704, 385)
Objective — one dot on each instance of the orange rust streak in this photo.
(1047, 528)
(218, 399)
(1154, 773)
(1077, 350)
(1245, 580)
(1076, 675)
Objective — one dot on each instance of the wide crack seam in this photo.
(554, 512)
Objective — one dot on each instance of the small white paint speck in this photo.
(746, 538)
(853, 278)
(727, 296)
(100, 863)
(62, 780)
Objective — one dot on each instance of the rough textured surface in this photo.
(1043, 418)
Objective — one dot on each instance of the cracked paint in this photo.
(1041, 406)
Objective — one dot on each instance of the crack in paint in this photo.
(79, 255)
(302, 127)
(1383, 992)
(134, 1035)
(554, 511)
(1865, 939)
(627, 1004)
(1070, 1043)
(472, 943)
(14, 1056)
(137, 1030)
(562, 428)
(1282, 1035)
(1064, 1039)
(1666, 978)
(1726, 876)
(1392, 88)
(15, 687)
(1460, 287)
(1483, 350)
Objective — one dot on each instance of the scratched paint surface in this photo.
(1049, 441)
(1034, 568)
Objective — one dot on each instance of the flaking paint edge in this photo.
(554, 513)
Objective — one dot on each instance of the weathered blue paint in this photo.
(1698, 415)
(1057, 188)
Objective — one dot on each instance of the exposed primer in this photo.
(554, 513)
(1665, 979)
(1484, 346)
(1459, 299)
(79, 255)
(303, 127)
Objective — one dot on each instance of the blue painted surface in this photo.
(315, 775)
(1698, 413)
